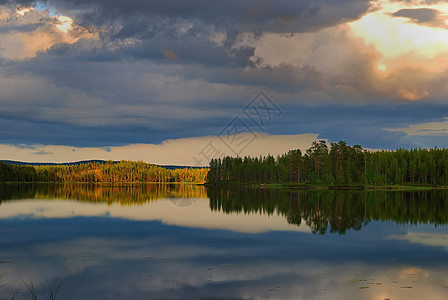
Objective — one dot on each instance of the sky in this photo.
(180, 82)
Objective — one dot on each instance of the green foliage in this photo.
(124, 171)
(338, 164)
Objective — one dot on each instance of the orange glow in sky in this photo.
(397, 37)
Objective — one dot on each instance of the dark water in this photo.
(189, 242)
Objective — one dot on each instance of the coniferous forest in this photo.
(336, 164)
(123, 171)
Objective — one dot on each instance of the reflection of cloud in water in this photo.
(425, 238)
(114, 250)
(198, 215)
(123, 268)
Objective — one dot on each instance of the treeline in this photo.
(336, 164)
(335, 211)
(123, 171)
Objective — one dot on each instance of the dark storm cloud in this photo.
(162, 70)
(189, 51)
(188, 28)
(423, 16)
(18, 2)
(180, 51)
(179, 32)
(131, 85)
(268, 15)
(364, 124)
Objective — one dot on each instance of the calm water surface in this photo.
(190, 242)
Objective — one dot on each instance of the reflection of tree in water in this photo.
(336, 211)
(128, 194)
(322, 211)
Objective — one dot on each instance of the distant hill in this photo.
(179, 167)
(21, 163)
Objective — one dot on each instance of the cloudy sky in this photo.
(178, 82)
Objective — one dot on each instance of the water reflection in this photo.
(125, 194)
(178, 205)
(134, 243)
(336, 211)
(321, 211)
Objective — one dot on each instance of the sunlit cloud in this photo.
(22, 11)
(380, 55)
(65, 25)
(43, 32)
(411, 41)
(393, 36)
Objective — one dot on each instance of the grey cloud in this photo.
(19, 27)
(189, 51)
(139, 81)
(18, 2)
(424, 16)
(24, 146)
(157, 73)
(269, 15)
(145, 29)
(196, 46)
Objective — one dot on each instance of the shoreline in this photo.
(328, 187)
(100, 183)
(284, 186)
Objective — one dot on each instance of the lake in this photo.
(156, 241)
